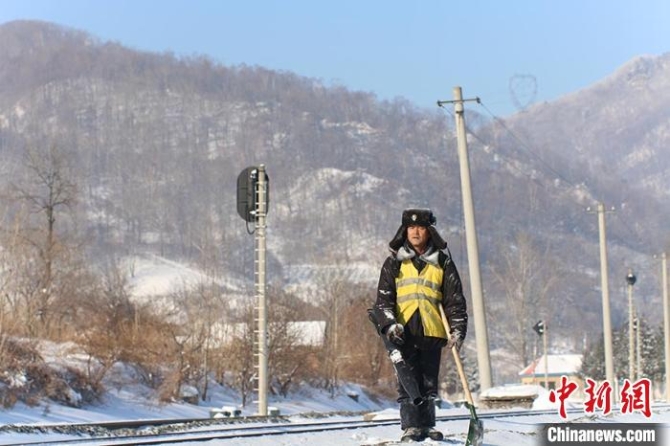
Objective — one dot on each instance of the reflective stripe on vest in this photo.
(420, 291)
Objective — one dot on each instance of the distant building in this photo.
(557, 366)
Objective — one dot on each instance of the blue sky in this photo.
(418, 49)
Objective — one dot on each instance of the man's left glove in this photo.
(455, 340)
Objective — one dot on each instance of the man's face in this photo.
(418, 237)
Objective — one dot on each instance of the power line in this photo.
(485, 143)
(635, 233)
(525, 147)
(510, 163)
(528, 150)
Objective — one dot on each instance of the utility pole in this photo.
(478, 309)
(666, 324)
(261, 213)
(604, 286)
(630, 280)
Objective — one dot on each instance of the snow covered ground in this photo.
(127, 405)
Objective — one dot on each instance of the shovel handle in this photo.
(457, 360)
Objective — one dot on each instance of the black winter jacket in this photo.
(453, 300)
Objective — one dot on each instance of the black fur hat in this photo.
(420, 217)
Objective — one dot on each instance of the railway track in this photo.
(153, 432)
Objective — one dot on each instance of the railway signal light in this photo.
(247, 185)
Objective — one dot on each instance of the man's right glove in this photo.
(396, 333)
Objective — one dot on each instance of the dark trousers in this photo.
(425, 366)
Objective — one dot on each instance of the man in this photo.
(415, 279)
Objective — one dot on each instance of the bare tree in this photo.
(8, 319)
(332, 305)
(351, 348)
(47, 188)
(201, 310)
(106, 327)
(526, 277)
(362, 356)
(239, 353)
(289, 355)
(20, 274)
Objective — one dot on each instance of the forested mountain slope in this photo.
(154, 144)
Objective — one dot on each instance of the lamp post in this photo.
(630, 280)
(638, 349)
(666, 323)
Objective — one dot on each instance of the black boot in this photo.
(412, 434)
(432, 433)
(427, 420)
(410, 422)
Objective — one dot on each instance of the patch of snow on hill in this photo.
(152, 275)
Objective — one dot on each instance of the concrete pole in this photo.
(546, 355)
(478, 309)
(630, 278)
(604, 286)
(261, 212)
(666, 324)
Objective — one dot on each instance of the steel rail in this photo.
(239, 428)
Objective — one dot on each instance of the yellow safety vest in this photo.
(420, 291)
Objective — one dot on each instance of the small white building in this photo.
(552, 370)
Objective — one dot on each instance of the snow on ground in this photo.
(125, 405)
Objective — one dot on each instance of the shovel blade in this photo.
(475, 430)
(475, 433)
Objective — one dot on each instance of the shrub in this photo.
(26, 377)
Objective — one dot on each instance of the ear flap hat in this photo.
(418, 217)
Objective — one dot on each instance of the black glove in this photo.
(455, 340)
(396, 333)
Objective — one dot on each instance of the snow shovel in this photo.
(476, 429)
